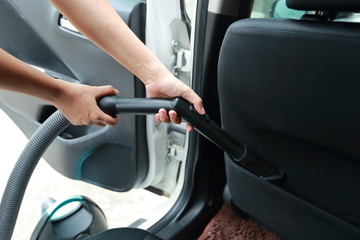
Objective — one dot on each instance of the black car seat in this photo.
(290, 91)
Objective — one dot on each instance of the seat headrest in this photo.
(324, 5)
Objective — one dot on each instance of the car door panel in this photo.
(33, 35)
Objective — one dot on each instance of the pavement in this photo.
(121, 209)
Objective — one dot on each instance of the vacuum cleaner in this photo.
(77, 217)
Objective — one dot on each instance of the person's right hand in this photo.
(78, 103)
(169, 87)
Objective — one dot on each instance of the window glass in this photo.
(278, 9)
(347, 17)
(274, 9)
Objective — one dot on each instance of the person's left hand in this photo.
(78, 103)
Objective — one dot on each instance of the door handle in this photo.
(66, 24)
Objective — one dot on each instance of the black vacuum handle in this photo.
(114, 105)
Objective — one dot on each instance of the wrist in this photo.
(153, 72)
(59, 92)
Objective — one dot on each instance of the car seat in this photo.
(290, 91)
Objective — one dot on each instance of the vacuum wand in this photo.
(114, 105)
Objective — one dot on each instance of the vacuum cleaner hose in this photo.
(113, 105)
(20, 176)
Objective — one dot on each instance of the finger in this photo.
(99, 116)
(112, 121)
(99, 124)
(174, 117)
(189, 128)
(163, 116)
(193, 98)
(106, 90)
(108, 120)
(157, 117)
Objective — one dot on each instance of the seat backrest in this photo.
(290, 91)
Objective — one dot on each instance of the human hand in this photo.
(172, 87)
(78, 103)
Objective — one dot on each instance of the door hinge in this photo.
(176, 152)
(182, 58)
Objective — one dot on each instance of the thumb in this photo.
(103, 117)
(193, 98)
(106, 90)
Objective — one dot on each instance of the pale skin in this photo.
(76, 101)
(107, 30)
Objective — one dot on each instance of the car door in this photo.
(137, 153)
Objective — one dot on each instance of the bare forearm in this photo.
(76, 101)
(17, 76)
(101, 24)
(108, 31)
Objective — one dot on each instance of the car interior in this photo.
(288, 90)
(283, 83)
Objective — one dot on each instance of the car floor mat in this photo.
(226, 224)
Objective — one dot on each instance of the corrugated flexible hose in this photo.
(111, 105)
(24, 167)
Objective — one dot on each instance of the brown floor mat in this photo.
(227, 225)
